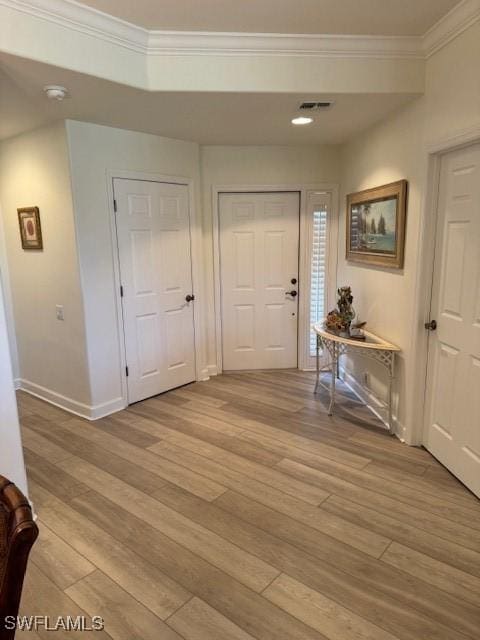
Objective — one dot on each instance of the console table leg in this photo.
(390, 384)
(317, 363)
(333, 380)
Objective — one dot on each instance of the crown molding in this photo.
(84, 19)
(452, 24)
(214, 43)
(81, 18)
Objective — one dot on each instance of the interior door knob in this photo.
(189, 297)
(291, 293)
(431, 326)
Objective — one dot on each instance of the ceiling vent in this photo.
(316, 106)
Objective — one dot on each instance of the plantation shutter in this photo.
(318, 270)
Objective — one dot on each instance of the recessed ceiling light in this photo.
(55, 92)
(302, 120)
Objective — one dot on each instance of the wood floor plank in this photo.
(339, 447)
(41, 408)
(444, 576)
(444, 527)
(246, 608)
(172, 424)
(76, 445)
(156, 591)
(406, 533)
(358, 537)
(196, 620)
(187, 394)
(425, 496)
(426, 483)
(396, 584)
(124, 617)
(334, 621)
(241, 565)
(261, 473)
(127, 432)
(146, 459)
(51, 477)
(162, 404)
(394, 446)
(42, 446)
(42, 598)
(237, 507)
(58, 560)
(263, 397)
(288, 437)
(346, 589)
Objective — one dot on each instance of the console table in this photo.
(372, 347)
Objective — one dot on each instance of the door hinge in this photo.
(121, 291)
(126, 371)
(115, 205)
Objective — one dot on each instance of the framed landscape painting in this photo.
(376, 225)
(30, 228)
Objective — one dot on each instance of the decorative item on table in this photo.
(356, 332)
(376, 225)
(339, 320)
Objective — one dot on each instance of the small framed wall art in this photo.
(376, 225)
(30, 228)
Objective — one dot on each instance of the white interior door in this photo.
(258, 268)
(453, 385)
(153, 232)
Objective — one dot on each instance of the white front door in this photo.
(453, 385)
(153, 233)
(259, 279)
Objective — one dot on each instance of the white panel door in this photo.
(258, 262)
(153, 232)
(453, 386)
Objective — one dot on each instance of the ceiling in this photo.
(347, 17)
(204, 117)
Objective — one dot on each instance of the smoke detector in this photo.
(312, 105)
(55, 92)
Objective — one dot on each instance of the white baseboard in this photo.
(68, 404)
(366, 396)
(207, 373)
(107, 408)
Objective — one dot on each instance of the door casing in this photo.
(196, 252)
(306, 192)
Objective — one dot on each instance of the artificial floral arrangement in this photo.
(339, 320)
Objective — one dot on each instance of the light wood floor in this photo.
(237, 509)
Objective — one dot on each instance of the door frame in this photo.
(424, 279)
(305, 192)
(196, 252)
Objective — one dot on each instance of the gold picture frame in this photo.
(30, 228)
(376, 225)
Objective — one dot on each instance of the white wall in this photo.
(7, 294)
(394, 149)
(11, 454)
(95, 150)
(51, 354)
(256, 166)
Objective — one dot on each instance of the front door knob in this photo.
(291, 293)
